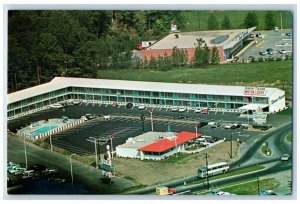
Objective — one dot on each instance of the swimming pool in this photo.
(43, 130)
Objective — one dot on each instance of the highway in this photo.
(274, 165)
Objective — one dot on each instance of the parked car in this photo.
(228, 126)
(141, 107)
(129, 105)
(114, 104)
(37, 167)
(90, 116)
(282, 51)
(288, 34)
(251, 58)
(202, 124)
(197, 110)
(262, 53)
(57, 106)
(174, 109)
(181, 117)
(182, 109)
(205, 111)
(251, 36)
(285, 157)
(215, 125)
(77, 101)
(270, 51)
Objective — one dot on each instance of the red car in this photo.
(114, 104)
(204, 111)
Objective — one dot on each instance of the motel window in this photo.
(155, 94)
(260, 100)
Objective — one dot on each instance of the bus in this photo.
(213, 169)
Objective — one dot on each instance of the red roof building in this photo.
(167, 144)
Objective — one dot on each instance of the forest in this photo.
(43, 44)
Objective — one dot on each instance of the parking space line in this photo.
(167, 109)
(100, 104)
(159, 108)
(106, 105)
(119, 106)
(86, 104)
(93, 104)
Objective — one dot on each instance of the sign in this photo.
(249, 90)
(277, 99)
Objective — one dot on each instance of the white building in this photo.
(155, 94)
(155, 145)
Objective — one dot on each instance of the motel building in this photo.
(228, 42)
(156, 145)
(152, 94)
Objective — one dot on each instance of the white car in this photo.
(77, 101)
(198, 110)
(182, 109)
(141, 107)
(228, 126)
(174, 109)
(56, 106)
(285, 157)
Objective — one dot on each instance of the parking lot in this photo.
(271, 39)
(126, 123)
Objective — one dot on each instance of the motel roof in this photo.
(64, 82)
(167, 143)
(189, 39)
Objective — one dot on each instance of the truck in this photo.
(163, 190)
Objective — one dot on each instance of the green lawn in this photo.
(257, 74)
(250, 187)
(265, 150)
(247, 187)
(289, 137)
(236, 19)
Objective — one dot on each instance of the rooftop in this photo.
(189, 39)
(143, 140)
(64, 82)
(169, 142)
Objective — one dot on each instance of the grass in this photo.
(257, 74)
(289, 137)
(250, 187)
(236, 19)
(265, 150)
(247, 187)
(176, 159)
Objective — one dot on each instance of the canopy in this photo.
(253, 106)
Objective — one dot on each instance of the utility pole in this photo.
(96, 154)
(142, 120)
(257, 185)
(25, 153)
(207, 179)
(198, 21)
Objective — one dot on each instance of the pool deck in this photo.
(44, 128)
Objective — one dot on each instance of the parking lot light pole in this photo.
(231, 134)
(51, 143)
(25, 151)
(151, 120)
(111, 144)
(95, 141)
(71, 167)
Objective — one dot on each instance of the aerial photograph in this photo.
(192, 103)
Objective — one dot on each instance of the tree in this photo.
(215, 57)
(270, 20)
(226, 24)
(212, 22)
(251, 20)
(199, 54)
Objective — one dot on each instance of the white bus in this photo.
(213, 169)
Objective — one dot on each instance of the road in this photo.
(84, 175)
(247, 159)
